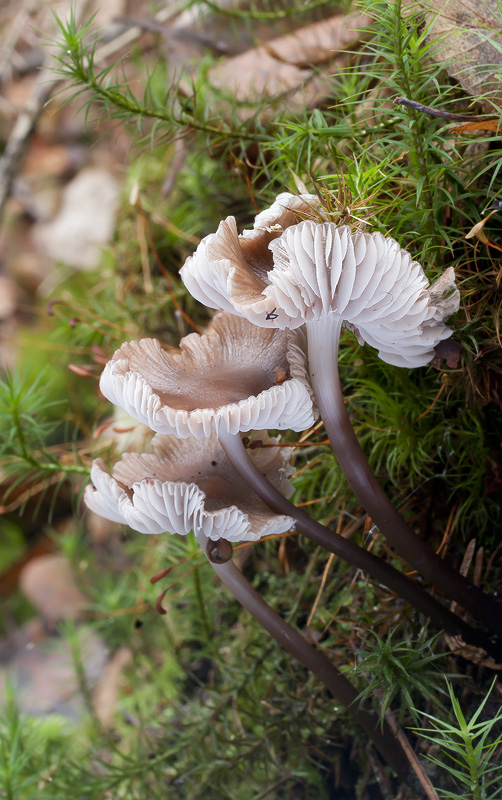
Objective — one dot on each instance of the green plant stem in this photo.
(202, 608)
(379, 569)
(464, 751)
(20, 433)
(85, 77)
(381, 736)
(415, 134)
(323, 340)
(51, 465)
(473, 768)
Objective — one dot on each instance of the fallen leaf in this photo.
(319, 42)
(467, 41)
(471, 653)
(477, 229)
(9, 579)
(492, 125)
(45, 159)
(283, 66)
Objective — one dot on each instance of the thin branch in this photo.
(436, 112)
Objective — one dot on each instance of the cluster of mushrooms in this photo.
(268, 361)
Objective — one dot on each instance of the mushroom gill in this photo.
(314, 269)
(235, 376)
(189, 485)
(326, 276)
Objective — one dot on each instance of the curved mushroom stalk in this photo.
(326, 276)
(381, 735)
(187, 485)
(378, 569)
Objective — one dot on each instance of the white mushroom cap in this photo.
(370, 282)
(190, 485)
(236, 376)
(316, 268)
(229, 271)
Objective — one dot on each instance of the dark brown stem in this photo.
(323, 337)
(379, 569)
(436, 112)
(343, 691)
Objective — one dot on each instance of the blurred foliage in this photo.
(208, 706)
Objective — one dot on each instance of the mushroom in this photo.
(325, 276)
(163, 491)
(230, 272)
(385, 740)
(379, 569)
(311, 270)
(188, 485)
(235, 377)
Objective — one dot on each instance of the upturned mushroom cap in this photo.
(229, 271)
(236, 376)
(188, 485)
(315, 269)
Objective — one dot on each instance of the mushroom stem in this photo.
(323, 340)
(343, 691)
(379, 569)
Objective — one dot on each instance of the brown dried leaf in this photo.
(469, 32)
(477, 229)
(284, 65)
(471, 653)
(45, 159)
(319, 42)
(255, 74)
(492, 125)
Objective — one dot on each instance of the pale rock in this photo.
(85, 222)
(48, 583)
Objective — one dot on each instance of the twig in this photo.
(17, 27)
(178, 160)
(380, 776)
(435, 112)
(25, 124)
(492, 559)
(464, 567)
(21, 133)
(321, 588)
(415, 765)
